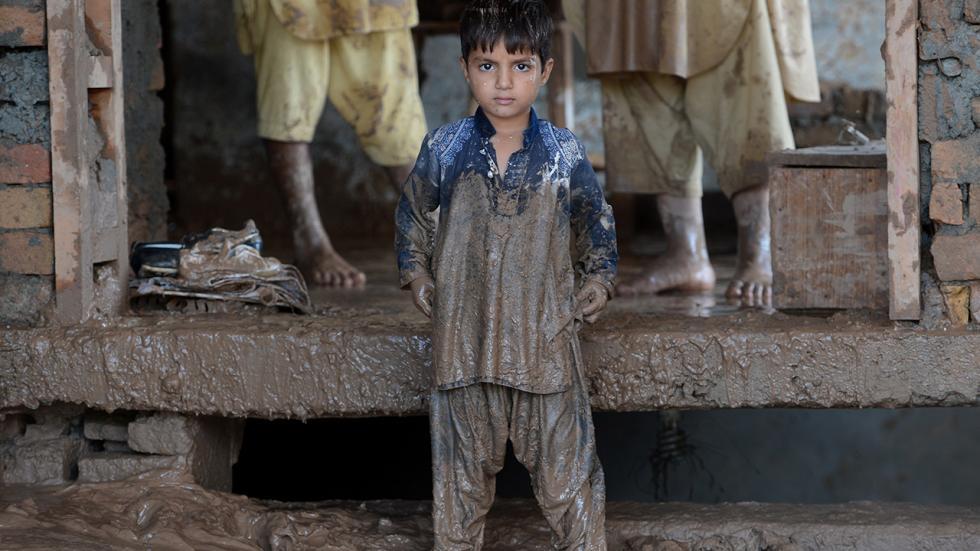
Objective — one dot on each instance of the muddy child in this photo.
(483, 232)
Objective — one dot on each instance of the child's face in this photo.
(505, 85)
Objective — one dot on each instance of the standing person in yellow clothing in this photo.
(686, 79)
(360, 55)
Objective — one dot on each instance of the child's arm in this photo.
(595, 239)
(415, 227)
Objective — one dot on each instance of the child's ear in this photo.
(464, 68)
(546, 70)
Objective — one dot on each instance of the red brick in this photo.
(26, 252)
(956, 161)
(957, 257)
(946, 204)
(22, 25)
(22, 207)
(25, 164)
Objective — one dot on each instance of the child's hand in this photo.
(423, 289)
(592, 298)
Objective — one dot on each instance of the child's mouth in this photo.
(504, 101)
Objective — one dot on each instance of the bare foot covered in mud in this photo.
(292, 171)
(329, 269)
(752, 283)
(685, 266)
(671, 273)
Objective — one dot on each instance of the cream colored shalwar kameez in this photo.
(687, 78)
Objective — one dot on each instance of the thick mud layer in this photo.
(161, 512)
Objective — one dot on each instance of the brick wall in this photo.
(26, 248)
(949, 112)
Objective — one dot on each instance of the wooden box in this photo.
(829, 208)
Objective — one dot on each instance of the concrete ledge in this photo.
(359, 363)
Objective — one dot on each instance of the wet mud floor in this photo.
(164, 512)
(383, 296)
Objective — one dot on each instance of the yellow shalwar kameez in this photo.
(357, 53)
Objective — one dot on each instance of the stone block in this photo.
(957, 257)
(27, 252)
(946, 204)
(102, 426)
(210, 444)
(957, 301)
(971, 11)
(951, 66)
(22, 24)
(40, 462)
(162, 433)
(36, 432)
(956, 161)
(25, 164)
(25, 207)
(113, 466)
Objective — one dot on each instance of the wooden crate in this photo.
(829, 208)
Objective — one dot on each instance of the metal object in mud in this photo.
(219, 265)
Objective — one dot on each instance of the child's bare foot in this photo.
(685, 266)
(326, 268)
(752, 283)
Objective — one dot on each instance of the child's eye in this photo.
(523, 67)
(486, 67)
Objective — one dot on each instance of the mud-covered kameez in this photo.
(505, 351)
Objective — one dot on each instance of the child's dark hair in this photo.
(522, 24)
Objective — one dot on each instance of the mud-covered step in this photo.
(373, 362)
(161, 510)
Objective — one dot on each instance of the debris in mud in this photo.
(206, 272)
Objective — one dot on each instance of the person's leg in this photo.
(292, 170)
(291, 90)
(553, 438)
(374, 86)
(738, 111)
(650, 149)
(468, 427)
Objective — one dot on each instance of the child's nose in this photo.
(504, 82)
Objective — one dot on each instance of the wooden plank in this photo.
(829, 237)
(116, 137)
(561, 91)
(901, 68)
(101, 73)
(68, 69)
(872, 155)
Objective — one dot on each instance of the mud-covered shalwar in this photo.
(685, 81)
(505, 352)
